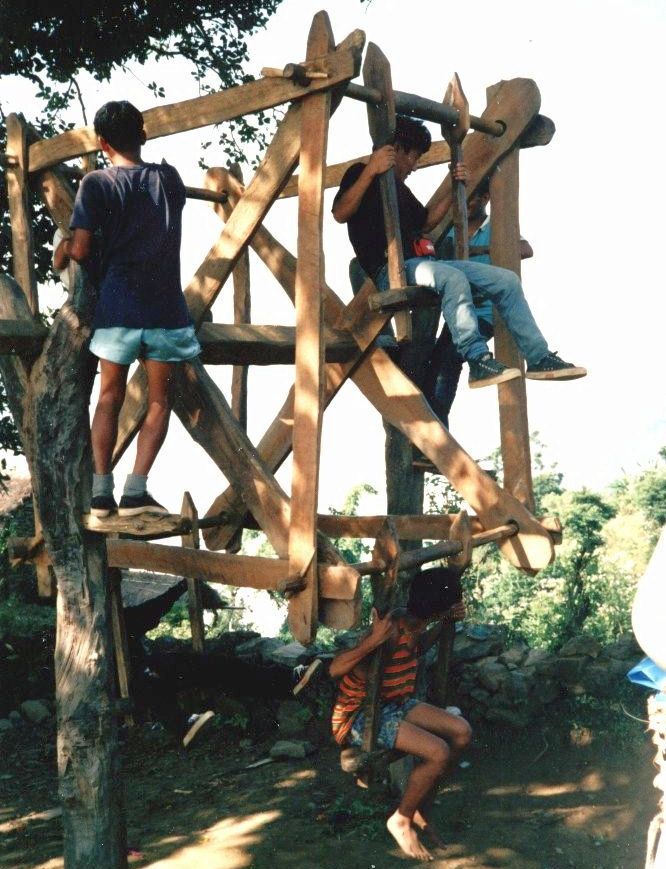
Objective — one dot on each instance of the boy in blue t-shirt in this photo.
(127, 221)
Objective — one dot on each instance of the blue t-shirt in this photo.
(135, 215)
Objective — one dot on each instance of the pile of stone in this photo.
(30, 712)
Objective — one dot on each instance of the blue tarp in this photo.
(650, 675)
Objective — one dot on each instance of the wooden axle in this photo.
(425, 109)
(444, 549)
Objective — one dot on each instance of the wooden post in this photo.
(387, 549)
(120, 644)
(19, 210)
(460, 531)
(455, 97)
(242, 314)
(194, 602)
(381, 119)
(309, 378)
(505, 252)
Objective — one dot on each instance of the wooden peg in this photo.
(194, 598)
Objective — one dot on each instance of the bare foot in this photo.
(401, 829)
(424, 825)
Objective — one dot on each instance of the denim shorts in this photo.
(123, 346)
(390, 716)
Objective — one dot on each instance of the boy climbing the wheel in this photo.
(433, 735)
(126, 227)
(358, 204)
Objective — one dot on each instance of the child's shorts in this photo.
(123, 346)
(389, 721)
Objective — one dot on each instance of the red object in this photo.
(423, 247)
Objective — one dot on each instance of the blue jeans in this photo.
(453, 281)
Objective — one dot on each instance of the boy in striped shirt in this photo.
(433, 735)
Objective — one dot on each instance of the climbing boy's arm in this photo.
(381, 630)
(76, 247)
(347, 203)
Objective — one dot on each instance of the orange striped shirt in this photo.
(399, 681)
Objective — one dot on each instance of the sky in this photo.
(590, 205)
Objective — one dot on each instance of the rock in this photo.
(15, 717)
(34, 711)
(5, 724)
(292, 717)
(466, 649)
(515, 655)
(512, 716)
(603, 681)
(348, 639)
(257, 649)
(581, 645)
(481, 697)
(516, 687)
(292, 655)
(232, 711)
(546, 690)
(625, 648)
(570, 670)
(291, 748)
(490, 674)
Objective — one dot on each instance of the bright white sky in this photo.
(588, 201)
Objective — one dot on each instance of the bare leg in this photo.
(434, 755)
(154, 428)
(104, 428)
(457, 733)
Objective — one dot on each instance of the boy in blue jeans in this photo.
(127, 223)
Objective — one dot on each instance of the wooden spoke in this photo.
(381, 119)
(19, 210)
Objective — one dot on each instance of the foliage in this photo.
(21, 619)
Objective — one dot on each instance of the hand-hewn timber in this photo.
(242, 316)
(18, 199)
(455, 96)
(21, 336)
(516, 103)
(227, 344)
(309, 373)
(505, 252)
(194, 598)
(255, 96)
(120, 642)
(381, 120)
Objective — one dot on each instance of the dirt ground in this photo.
(536, 800)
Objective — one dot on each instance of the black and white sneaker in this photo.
(487, 371)
(551, 367)
(135, 505)
(102, 506)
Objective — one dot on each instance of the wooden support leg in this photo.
(120, 644)
(309, 375)
(194, 602)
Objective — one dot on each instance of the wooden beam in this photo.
(505, 252)
(309, 373)
(21, 336)
(120, 643)
(435, 526)
(242, 345)
(20, 213)
(255, 96)
(242, 315)
(194, 599)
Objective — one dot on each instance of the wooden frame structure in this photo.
(48, 379)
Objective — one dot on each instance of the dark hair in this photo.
(411, 133)
(434, 591)
(121, 124)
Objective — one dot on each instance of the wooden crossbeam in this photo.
(21, 336)
(255, 96)
(227, 344)
(309, 371)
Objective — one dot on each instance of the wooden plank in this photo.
(255, 96)
(381, 119)
(20, 213)
(434, 526)
(242, 345)
(120, 643)
(516, 103)
(405, 298)
(309, 373)
(194, 599)
(505, 252)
